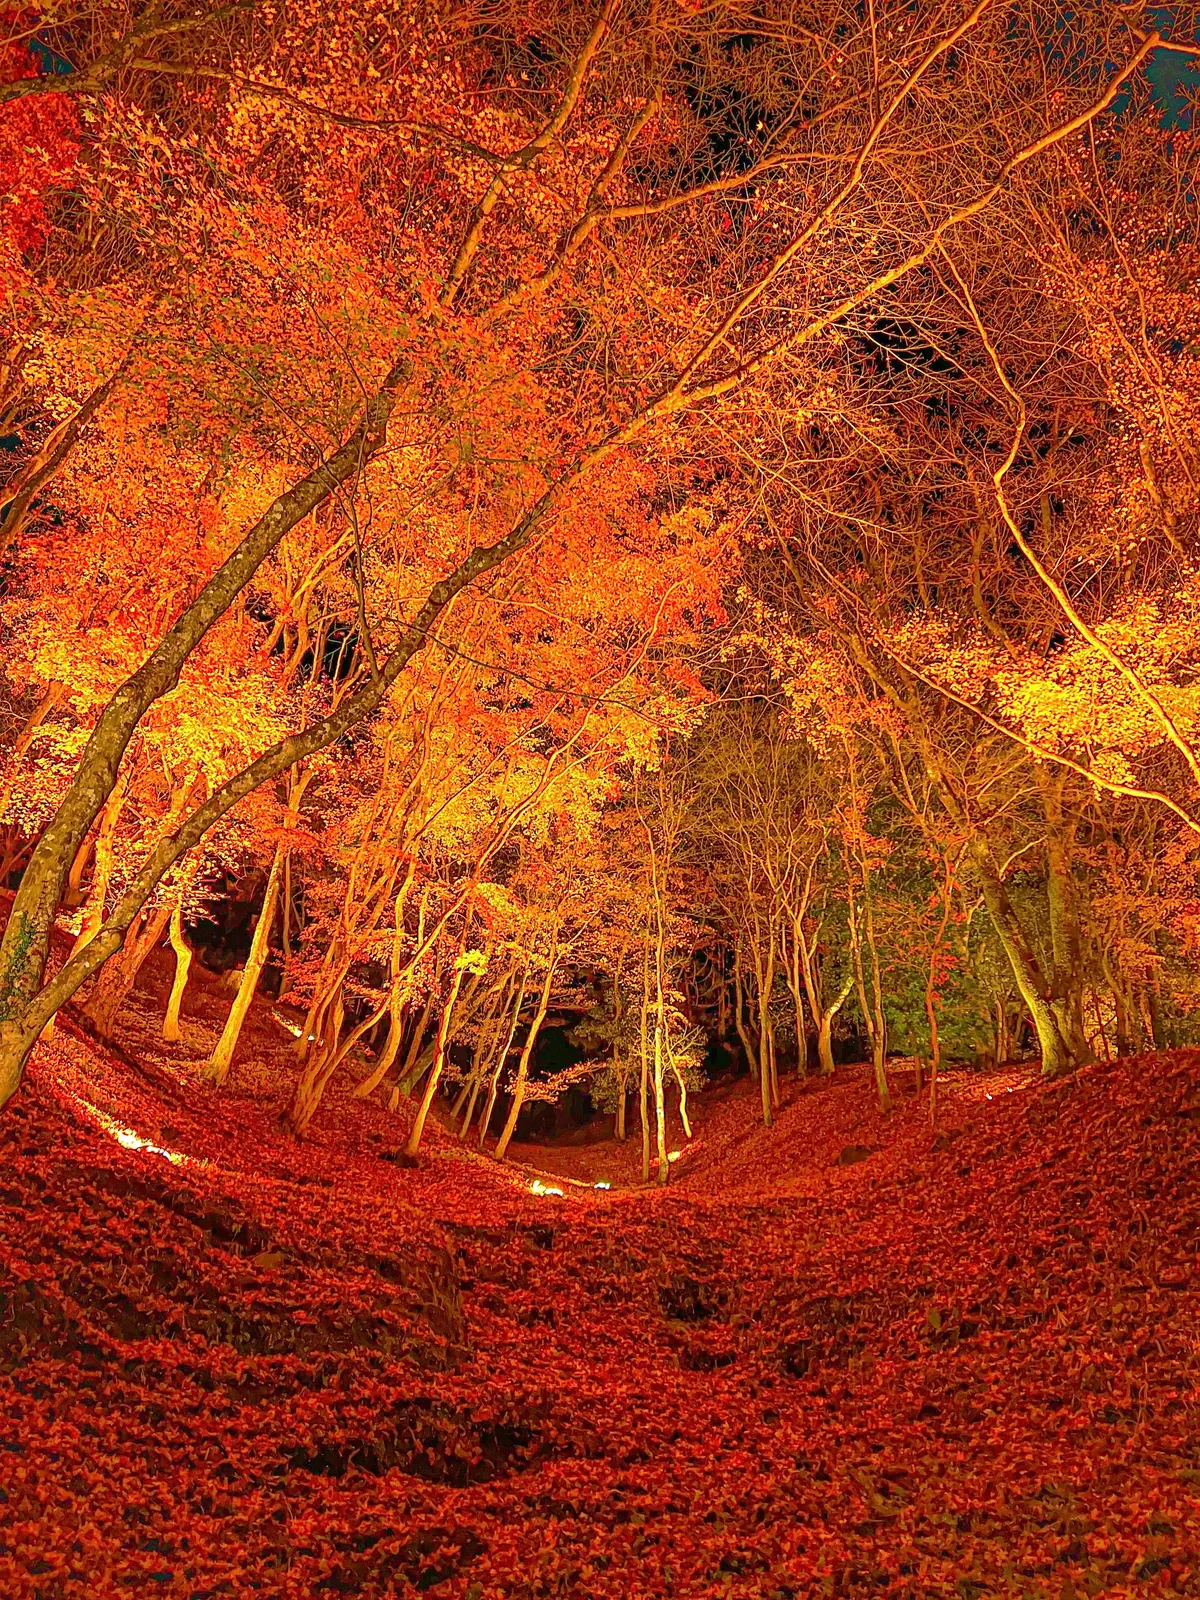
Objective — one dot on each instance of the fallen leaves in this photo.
(302, 1370)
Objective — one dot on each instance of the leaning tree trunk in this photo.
(222, 1057)
(683, 1100)
(314, 1080)
(484, 1054)
(439, 1060)
(118, 977)
(183, 965)
(397, 1004)
(502, 1057)
(825, 1027)
(25, 1005)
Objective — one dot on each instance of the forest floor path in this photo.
(838, 1358)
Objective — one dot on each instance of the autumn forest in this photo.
(599, 799)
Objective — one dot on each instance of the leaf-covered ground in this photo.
(235, 1365)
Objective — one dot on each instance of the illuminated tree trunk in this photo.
(367, 892)
(439, 1061)
(660, 1104)
(823, 1015)
(795, 984)
(183, 964)
(73, 892)
(683, 1099)
(118, 976)
(1057, 1057)
(740, 1004)
(103, 861)
(879, 1033)
(502, 1057)
(409, 1072)
(222, 1057)
(102, 868)
(1066, 935)
(618, 1067)
(25, 1004)
(871, 1014)
(480, 1055)
(400, 989)
(481, 1070)
(518, 1093)
(825, 1027)
(644, 1093)
(764, 967)
(398, 1000)
(315, 1079)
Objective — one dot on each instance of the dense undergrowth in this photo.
(233, 1364)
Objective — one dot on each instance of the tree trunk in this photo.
(747, 1046)
(183, 963)
(825, 1027)
(522, 1077)
(644, 1092)
(481, 1059)
(310, 1090)
(222, 1057)
(660, 1105)
(439, 1061)
(502, 1057)
(25, 1006)
(879, 1028)
(1065, 995)
(1057, 1058)
(618, 1071)
(683, 1099)
(795, 984)
(408, 1072)
(397, 1004)
(118, 977)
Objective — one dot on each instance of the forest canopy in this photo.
(674, 516)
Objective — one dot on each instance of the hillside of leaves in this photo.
(841, 1357)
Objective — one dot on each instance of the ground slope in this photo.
(235, 1365)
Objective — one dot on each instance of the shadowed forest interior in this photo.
(599, 799)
